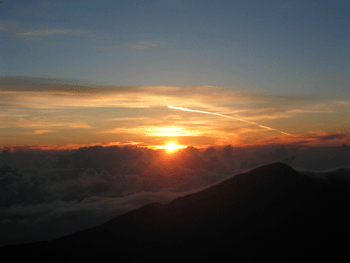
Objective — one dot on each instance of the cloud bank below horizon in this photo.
(47, 194)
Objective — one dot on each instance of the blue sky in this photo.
(284, 47)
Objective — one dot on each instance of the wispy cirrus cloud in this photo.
(33, 34)
(144, 44)
(141, 113)
(341, 102)
(140, 45)
(8, 26)
(41, 123)
(239, 105)
(154, 131)
(35, 124)
(14, 30)
(42, 131)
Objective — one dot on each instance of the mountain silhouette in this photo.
(270, 213)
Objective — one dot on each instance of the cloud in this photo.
(42, 131)
(13, 30)
(39, 123)
(139, 113)
(341, 102)
(168, 131)
(334, 137)
(144, 44)
(26, 83)
(8, 26)
(140, 45)
(330, 174)
(201, 98)
(23, 224)
(52, 31)
(78, 189)
(71, 199)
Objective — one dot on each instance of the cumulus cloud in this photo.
(86, 187)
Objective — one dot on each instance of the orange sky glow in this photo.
(63, 116)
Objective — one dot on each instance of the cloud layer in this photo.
(47, 194)
(92, 114)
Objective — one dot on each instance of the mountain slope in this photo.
(270, 212)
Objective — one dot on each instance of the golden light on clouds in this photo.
(226, 116)
(65, 115)
(153, 131)
(171, 147)
(171, 132)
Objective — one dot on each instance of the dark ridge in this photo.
(270, 213)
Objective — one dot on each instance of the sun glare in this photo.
(171, 147)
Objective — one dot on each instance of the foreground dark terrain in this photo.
(272, 212)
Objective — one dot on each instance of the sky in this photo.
(91, 93)
(75, 73)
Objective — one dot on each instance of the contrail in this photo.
(230, 117)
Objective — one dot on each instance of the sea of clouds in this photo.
(48, 194)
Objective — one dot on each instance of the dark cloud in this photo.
(276, 154)
(24, 83)
(334, 137)
(227, 152)
(209, 152)
(341, 175)
(248, 164)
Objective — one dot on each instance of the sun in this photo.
(172, 147)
